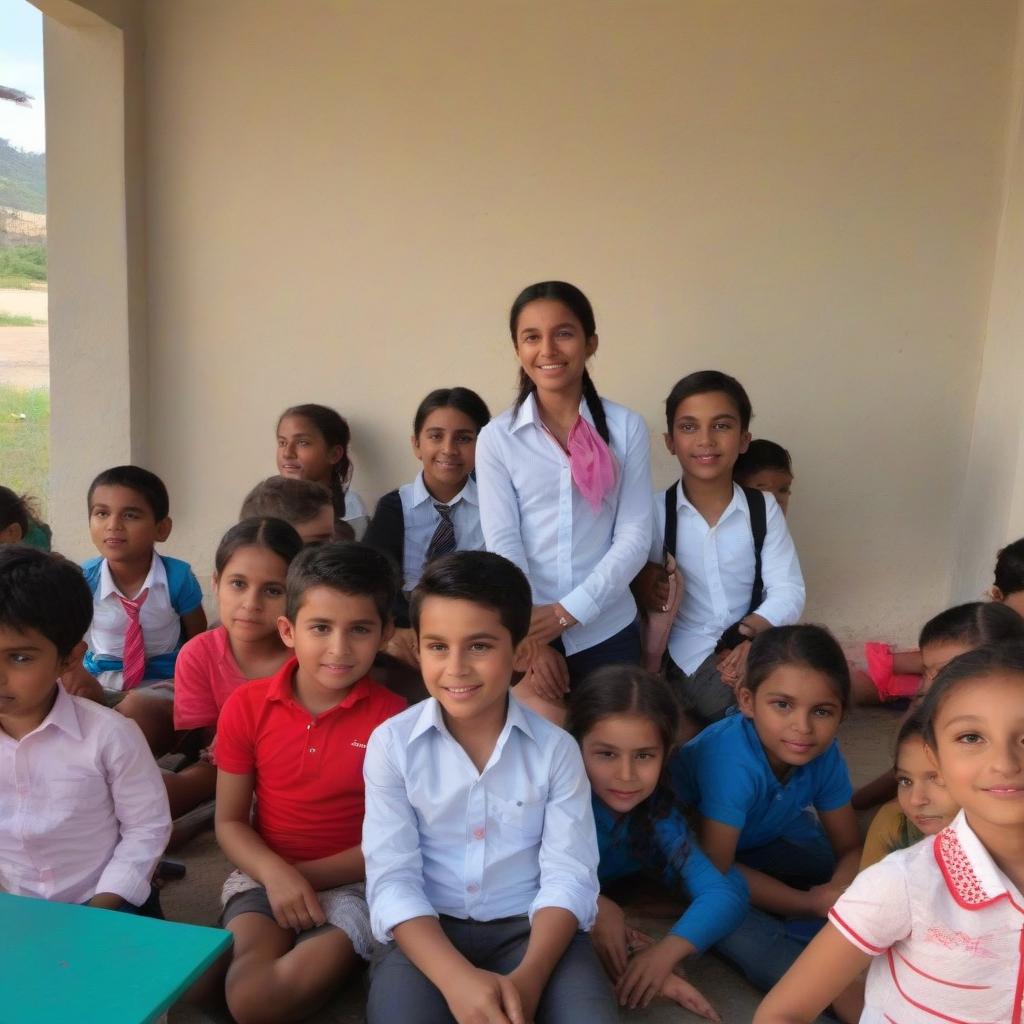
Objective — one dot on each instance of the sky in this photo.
(21, 67)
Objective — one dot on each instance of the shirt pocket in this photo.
(522, 817)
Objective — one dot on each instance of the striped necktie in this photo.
(443, 541)
(134, 657)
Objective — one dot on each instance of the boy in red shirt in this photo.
(296, 740)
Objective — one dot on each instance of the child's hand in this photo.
(529, 993)
(293, 899)
(482, 997)
(651, 589)
(733, 667)
(679, 990)
(609, 937)
(647, 971)
(81, 684)
(404, 647)
(823, 897)
(548, 675)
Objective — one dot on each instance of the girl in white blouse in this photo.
(562, 477)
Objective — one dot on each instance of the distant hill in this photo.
(22, 179)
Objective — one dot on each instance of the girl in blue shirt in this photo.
(625, 721)
(753, 776)
(561, 477)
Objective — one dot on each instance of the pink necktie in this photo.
(591, 462)
(134, 656)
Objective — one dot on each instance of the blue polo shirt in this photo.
(724, 772)
(718, 903)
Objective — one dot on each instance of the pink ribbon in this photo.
(592, 463)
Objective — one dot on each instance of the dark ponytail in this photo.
(334, 428)
(579, 305)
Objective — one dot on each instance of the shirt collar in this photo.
(157, 577)
(63, 715)
(738, 502)
(420, 494)
(430, 717)
(970, 874)
(529, 413)
(282, 691)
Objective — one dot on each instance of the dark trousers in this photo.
(622, 648)
(578, 989)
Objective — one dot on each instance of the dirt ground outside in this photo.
(25, 351)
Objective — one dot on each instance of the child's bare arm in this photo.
(820, 974)
(551, 932)
(292, 898)
(338, 869)
(193, 623)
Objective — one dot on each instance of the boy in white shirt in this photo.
(83, 809)
(733, 586)
(479, 839)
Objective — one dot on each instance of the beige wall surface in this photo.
(343, 198)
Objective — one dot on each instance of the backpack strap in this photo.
(670, 520)
(758, 528)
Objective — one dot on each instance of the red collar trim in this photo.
(963, 883)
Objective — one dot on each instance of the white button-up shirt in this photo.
(83, 807)
(422, 518)
(534, 516)
(717, 563)
(946, 927)
(439, 837)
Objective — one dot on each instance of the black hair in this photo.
(335, 431)
(703, 382)
(630, 690)
(262, 532)
(480, 577)
(14, 509)
(468, 402)
(344, 566)
(913, 725)
(287, 498)
(988, 660)
(579, 305)
(759, 456)
(975, 623)
(44, 592)
(1010, 568)
(811, 646)
(144, 483)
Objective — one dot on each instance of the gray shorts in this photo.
(702, 693)
(255, 901)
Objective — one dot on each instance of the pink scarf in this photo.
(592, 463)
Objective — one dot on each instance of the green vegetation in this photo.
(22, 266)
(22, 179)
(15, 320)
(25, 443)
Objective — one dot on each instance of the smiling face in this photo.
(551, 345)
(335, 637)
(29, 669)
(796, 712)
(707, 436)
(623, 755)
(122, 525)
(446, 445)
(303, 453)
(250, 593)
(979, 750)
(922, 795)
(467, 658)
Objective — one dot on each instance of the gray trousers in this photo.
(703, 695)
(578, 989)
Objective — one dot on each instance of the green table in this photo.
(65, 964)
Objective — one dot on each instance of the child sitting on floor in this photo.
(938, 925)
(83, 813)
(296, 741)
(303, 504)
(145, 605)
(481, 856)
(19, 522)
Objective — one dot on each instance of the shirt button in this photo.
(312, 750)
(472, 887)
(478, 833)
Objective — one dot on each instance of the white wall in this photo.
(344, 197)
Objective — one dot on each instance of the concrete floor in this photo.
(866, 739)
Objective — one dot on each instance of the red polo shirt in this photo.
(308, 768)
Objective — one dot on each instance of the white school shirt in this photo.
(355, 514)
(83, 807)
(441, 838)
(717, 563)
(161, 624)
(946, 929)
(533, 514)
(421, 519)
